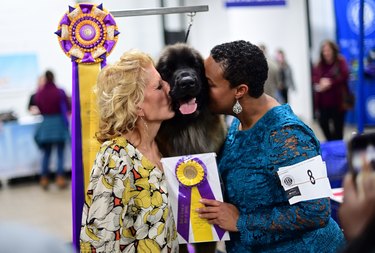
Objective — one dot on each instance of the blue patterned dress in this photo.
(248, 165)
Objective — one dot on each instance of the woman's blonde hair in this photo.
(119, 89)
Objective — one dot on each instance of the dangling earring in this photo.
(237, 108)
(145, 125)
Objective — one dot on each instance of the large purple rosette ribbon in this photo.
(87, 34)
(191, 172)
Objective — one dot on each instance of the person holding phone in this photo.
(357, 212)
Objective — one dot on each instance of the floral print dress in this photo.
(126, 208)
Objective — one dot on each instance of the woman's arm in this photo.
(104, 203)
(265, 225)
(293, 144)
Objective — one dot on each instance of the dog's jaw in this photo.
(185, 89)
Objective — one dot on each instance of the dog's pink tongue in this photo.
(188, 107)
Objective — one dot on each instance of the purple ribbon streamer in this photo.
(65, 20)
(86, 8)
(77, 163)
(206, 192)
(66, 45)
(183, 211)
(184, 200)
(108, 20)
(71, 9)
(87, 58)
(108, 45)
(104, 62)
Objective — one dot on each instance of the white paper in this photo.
(306, 180)
(169, 165)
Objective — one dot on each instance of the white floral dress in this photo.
(126, 208)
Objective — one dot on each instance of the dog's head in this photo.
(183, 68)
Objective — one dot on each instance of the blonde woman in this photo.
(127, 208)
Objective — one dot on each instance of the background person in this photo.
(357, 212)
(127, 206)
(330, 81)
(263, 137)
(53, 132)
(286, 76)
(273, 82)
(31, 106)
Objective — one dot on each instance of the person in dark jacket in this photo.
(53, 105)
(330, 81)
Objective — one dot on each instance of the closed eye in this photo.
(160, 86)
(210, 84)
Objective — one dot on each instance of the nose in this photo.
(187, 82)
(167, 87)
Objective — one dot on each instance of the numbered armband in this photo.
(306, 180)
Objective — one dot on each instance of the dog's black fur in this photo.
(199, 132)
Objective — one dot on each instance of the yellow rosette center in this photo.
(190, 173)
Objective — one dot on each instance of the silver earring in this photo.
(145, 125)
(237, 108)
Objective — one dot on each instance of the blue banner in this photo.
(348, 30)
(240, 3)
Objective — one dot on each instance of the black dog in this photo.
(193, 129)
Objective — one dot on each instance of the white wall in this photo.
(277, 27)
(31, 26)
(323, 25)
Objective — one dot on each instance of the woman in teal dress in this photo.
(263, 137)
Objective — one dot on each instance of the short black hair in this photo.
(50, 78)
(243, 63)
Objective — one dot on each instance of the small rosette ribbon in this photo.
(191, 173)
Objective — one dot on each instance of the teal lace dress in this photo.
(248, 166)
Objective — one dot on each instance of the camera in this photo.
(361, 152)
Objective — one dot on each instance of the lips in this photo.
(188, 107)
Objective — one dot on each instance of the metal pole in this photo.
(360, 105)
(160, 11)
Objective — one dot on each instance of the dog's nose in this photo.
(187, 82)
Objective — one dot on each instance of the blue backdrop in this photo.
(348, 34)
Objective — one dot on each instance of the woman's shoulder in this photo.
(283, 119)
(279, 116)
(115, 149)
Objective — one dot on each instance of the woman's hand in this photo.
(219, 213)
(358, 207)
(325, 84)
